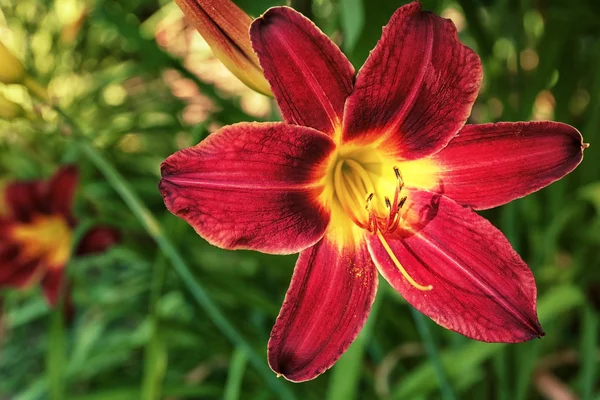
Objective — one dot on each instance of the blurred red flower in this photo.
(36, 233)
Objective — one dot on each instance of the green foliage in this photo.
(165, 315)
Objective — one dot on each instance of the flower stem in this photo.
(55, 353)
(433, 354)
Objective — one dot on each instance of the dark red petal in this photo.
(61, 190)
(16, 272)
(489, 165)
(98, 239)
(481, 287)
(52, 285)
(326, 306)
(417, 86)
(25, 199)
(309, 75)
(252, 186)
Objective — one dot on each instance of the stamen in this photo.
(343, 196)
(394, 259)
(364, 176)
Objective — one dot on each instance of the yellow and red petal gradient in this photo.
(252, 186)
(481, 288)
(309, 75)
(489, 165)
(14, 271)
(325, 308)
(417, 87)
(225, 27)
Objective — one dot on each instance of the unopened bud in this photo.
(10, 110)
(225, 27)
(11, 69)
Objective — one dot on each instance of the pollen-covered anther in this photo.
(391, 222)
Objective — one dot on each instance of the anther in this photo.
(387, 203)
(369, 198)
(402, 201)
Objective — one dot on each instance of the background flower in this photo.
(36, 232)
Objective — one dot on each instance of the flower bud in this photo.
(11, 69)
(10, 110)
(225, 28)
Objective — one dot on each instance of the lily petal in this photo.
(252, 186)
(480, 286)
(325, 308)
(25, 199)
(417, 87)
(52, 285)
(14, 270)
(61, 190)
(225, 27)
(309, 75)
(97, 240)
(489, 165)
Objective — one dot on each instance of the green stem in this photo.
(155, 353)
(55, 354)
(433, 354)
(235, 377)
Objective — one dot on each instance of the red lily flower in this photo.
(36, 226)
(374, 173)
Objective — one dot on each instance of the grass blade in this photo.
(433, 354)
(237, 368)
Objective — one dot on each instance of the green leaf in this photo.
(353, 22)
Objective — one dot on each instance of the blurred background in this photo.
(164, 315)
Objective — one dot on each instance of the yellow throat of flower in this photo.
(364, 191)
(47, 238)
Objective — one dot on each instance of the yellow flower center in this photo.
(47, 238)
(363, 188)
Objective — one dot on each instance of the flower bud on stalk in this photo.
(225, 28)
(13, 71)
